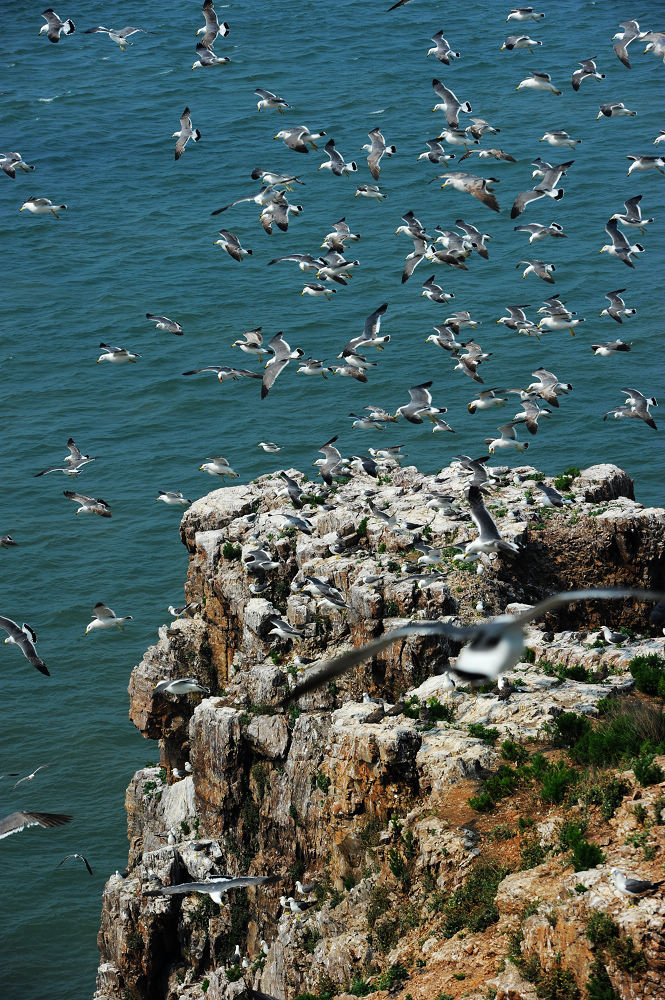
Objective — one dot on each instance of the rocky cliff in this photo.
(455, 843)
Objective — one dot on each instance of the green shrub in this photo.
(513, 751)
(379, 903)
(568, 728)
(585, 854)
(359, 988)
(310, 940)
(322, 782)
(646, 771)
(385, 935)
(481, 732)
(397, 864)
(601, 929)
(231, 551)
(557, 782)
(532, 854)
(598, 985)
(361, 530)
(472, 905)
(649, 673)
(557, 984)
(393, 975)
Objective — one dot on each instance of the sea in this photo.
(137, 237)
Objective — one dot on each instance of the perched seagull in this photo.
(89, 505)
(24, 637)
(212, 27)
(164, 323)
(181, 685)
(103, 617)
(283, 629)
(551, 497)
(587, 72)
(18, 821)
(538, 232)
(218, 466)
(206, 58)
(617, 307)
(282, 354)
(185, 133)
(336, 162)
(215, 888)
(116, 355)
(268, 100)
(80, 858)
(231, 243)
(11, 162)
(633, 887)
(622, 39)
(42, 206)
(538, 81)
(442, 50)
(54, 27)
(633, 215)
(31, 776)
(492, 647)
(615, 110)
(646, 163)
(377, 148)
(471, 184)
(620, 247)
(508, 439)
(119, 36)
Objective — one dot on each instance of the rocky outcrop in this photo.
(367, 802)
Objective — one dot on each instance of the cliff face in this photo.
(369, 805)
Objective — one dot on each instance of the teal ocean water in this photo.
(138, 237)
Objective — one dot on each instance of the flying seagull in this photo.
(54, 27)
(89, 505)
(164, 323)
(119, 36)
(215, 888)
(31, 776)
(492, 647)
(25, 638)
(185, 134)
(80, 857)
(18, 821)
(103, 617)
(181, 685)
(282, 354)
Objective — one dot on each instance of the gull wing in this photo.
(18, 821)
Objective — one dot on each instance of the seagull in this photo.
(551, 497)
(206, 58)
(615, 110)
(18, 821)
(486, 399)
(445, 339)
(377, 148)
(119, 36)
(225, 373)
(471, 184)
(442, 50)
(185, 133)
(519, 42)
(24, 637)
(42, 206)
(30, 777)
(538, 81)
(89, 505)
(269, 100)
(508, 439)
(324, 591)
(646, 163)
(11, 162)
(269, 446)
(336, 239)
(282, 354)
(524, 14)
(559, 137)
(231, 243)
(609, 347)
(538, 232)
(370, 191)
(636, 405)
(419, 404)
(633, 214)
(218, 466)
(370, 335)
(74, 462)
(633, 887)
(435, 152)
(331, 460)
(539, 268)
(622, 39)
(6, 542)
(253, 342)
(620, 247)
(435, 292)
(492, 647)
(587, 72)
(548, 386)
(54, 27)
(181, 685)
(164, 323)
(550, 176)
(336, 162)
(215, 888)
(617, 307)
(116, 355)
(316, 289)
(103, 617)
(212, 27)
(299, 137)
(283, 629)
(80, 857)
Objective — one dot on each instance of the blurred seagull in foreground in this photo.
(18, 821)
(492, 647)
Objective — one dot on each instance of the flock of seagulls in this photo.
(492, 647)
